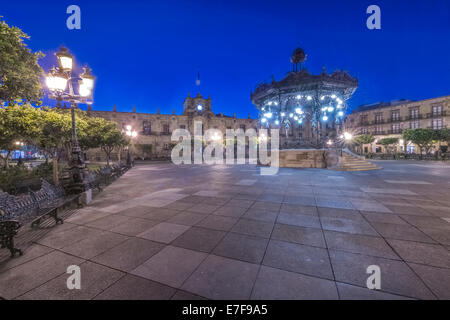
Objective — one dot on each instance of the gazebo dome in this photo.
(298, 56)
(308, 108)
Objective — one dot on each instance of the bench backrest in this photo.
(12, 207)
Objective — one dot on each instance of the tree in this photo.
(388, 143)
(19, 70)
(18, 123)
(124, 141)
(111, 140)
(364, 139)
(101, 133)
(422, 137)
(55, 136)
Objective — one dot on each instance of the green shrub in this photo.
(12, 177)
(43, 170)
(18, 178)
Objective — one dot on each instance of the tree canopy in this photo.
(19, 70)
(422, 137)
(18, 123)
(364, 139)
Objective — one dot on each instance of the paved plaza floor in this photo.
(225, 232)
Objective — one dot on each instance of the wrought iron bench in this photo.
(119, 169)
(49, 199)
(106, 174)
(35, 206)
(94, 180)
(8, 230)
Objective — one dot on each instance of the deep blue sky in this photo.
(148, 53)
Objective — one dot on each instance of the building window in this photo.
(414, 113)
(182, 126)
(364, 119)
(379, 118)
(166, 129)
(364, 131)
(146, 128)
(437, 124)
(395, 115)
(242, 126)
(396, 128)
(437, 110)
(414, 124)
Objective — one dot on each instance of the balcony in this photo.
(437, 127)
(379, 133)
(395, 131)
(380, 121)
(396, 119)
(436, 114)
(414, 117)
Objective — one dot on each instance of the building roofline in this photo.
(389, 104)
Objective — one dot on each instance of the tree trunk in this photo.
(6, 160)
(118, 155)
(55, 170)
(107, 158)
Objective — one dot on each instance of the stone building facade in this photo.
(154, 130)
(390, 119)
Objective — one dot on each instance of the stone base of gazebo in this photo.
(307, 158)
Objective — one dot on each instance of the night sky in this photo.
(148, 53)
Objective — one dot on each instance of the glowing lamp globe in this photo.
(65, 59)
(56, 81)
(87, 78)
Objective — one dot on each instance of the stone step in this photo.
(354, 161)
(356, 169)
(358, 165)
(351, 163)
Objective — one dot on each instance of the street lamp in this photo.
(132, 134)
(348, 136)
(59, 81)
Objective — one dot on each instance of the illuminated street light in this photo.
(348, 136)
(59, 82)
(132, 134)
(262, 137)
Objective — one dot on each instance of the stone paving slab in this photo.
(225, 232)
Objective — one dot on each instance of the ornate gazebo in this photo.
(308, 109)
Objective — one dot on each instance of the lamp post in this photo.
(132, 134)
(59, 80)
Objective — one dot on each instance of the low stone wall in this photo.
(308, 158)
(302, 158)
